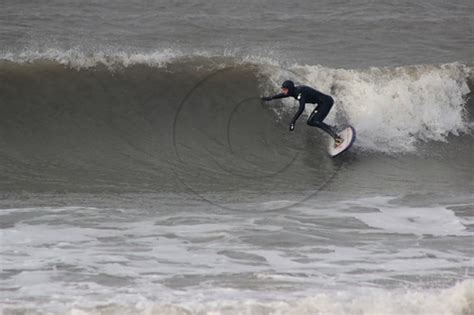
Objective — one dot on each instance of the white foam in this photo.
(391, 217)
(435, 220)
(60, 267)
(79, 58)
(457, 300)
(393, 109)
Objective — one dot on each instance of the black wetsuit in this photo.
(305, 94)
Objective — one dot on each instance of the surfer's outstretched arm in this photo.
(274, 97)
(299, 112)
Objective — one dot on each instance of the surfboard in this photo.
(349, 136)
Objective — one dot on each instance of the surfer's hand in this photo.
(266, 98)
(292, 126)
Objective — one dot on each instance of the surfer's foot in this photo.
(338, 141)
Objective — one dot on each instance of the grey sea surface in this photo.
(141, 174)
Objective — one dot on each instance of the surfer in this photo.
(305, 94)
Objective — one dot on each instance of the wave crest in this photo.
(392, 109)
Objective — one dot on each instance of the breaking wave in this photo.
(102, 112)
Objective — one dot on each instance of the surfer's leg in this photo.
(317, 116)
(325, 127)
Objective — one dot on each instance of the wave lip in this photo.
(79, 59)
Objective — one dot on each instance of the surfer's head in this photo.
(287, 86)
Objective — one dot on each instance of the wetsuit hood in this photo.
(288, 84)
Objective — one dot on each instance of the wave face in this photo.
(70, 120)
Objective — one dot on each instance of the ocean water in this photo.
(141, 174)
